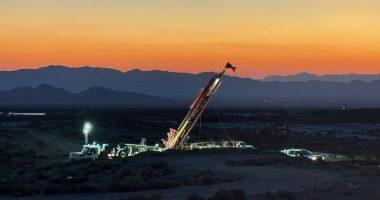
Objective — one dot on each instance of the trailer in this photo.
(124, 150)
(220, 144)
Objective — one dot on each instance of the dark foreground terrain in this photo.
(34, 155)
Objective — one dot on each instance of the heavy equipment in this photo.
(91, 151)
(219, 144)
(176, 138)
(124, 150)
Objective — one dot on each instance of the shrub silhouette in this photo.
(194, 196)
(132, 184)
(231, 194)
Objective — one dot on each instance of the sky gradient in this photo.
(262, 37)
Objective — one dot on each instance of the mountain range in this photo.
(155, 85)
(346, 78)
(46, 94)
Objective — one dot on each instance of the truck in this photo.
(91, 151)
(302, 153)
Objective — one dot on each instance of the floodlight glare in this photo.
(86, 130)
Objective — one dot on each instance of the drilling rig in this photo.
(176, 138)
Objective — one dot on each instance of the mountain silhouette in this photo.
(88, 84)
(46, 94)
(346, 78)
(156, 83)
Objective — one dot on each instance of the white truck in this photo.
(303, 153)
(91, 151)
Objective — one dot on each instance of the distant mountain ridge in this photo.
(183, 87)
(170, 84)
(46, 94)
(346, 78)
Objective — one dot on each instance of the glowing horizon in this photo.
(263, 38)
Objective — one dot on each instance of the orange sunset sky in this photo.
(262, 37)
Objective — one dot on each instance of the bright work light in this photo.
(86, 130)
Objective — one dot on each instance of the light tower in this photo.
(86, 130)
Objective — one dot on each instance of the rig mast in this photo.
(177, 138)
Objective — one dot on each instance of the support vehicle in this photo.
(303, 153)
(91, 151)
